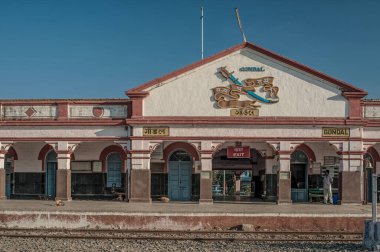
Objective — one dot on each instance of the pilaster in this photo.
(64, 150)
(4, 147)
(140, 184)
(283, 149)
(2, 177)
(351, 186)
(206, 177)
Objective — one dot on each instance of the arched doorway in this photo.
(368, 171)
(179, 176)
(114, 170)
(299, 171)
(50, 176)
(238, 179)
(8, 166)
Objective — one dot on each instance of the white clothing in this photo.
(327, 181)
(327, 192)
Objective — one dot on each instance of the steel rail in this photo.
(209, 239)
(181, 231)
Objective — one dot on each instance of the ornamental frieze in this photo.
(259, 90)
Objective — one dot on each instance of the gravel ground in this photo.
(50, 244)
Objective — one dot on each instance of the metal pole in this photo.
(240, 24)
(374, 198)
(224, 182)
(202, 29)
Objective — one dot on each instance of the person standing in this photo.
(327, 191)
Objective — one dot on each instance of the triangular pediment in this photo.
(246, 80)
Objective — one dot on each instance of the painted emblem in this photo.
(260, 90)
(30, 112)
(97, 111)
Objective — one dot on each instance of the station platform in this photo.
(183, 215)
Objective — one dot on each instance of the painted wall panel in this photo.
(102, 111)
(29, 111)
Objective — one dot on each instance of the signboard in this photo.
(155, 131)
(335, 132)
(238, 152)
(244, 112)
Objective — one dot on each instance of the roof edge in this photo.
(343, 85)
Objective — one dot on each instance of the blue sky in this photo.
(101, 48)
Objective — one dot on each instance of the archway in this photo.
(114, 170)
(10, 156)
(370, 159)
(179, 175)
(299, 166)
(50, 174)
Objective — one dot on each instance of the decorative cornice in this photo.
(136, 94)
(348, 94)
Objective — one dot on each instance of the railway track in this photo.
(170, 235)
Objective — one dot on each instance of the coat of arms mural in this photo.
(259, 90)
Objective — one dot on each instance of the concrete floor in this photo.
(192, 208)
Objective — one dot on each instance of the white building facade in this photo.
(243, 109)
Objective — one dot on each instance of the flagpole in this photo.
(202, 31)
(240, 25)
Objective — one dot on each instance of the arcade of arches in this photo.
(181, 171)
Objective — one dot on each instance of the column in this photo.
(284, 189)
(140, 186)
(63, 176)
(2, 177)
(4, 147)
(351, 173)
(205, 194)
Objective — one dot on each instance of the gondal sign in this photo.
(238, 152)
(335, 132)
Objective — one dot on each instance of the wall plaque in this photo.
(205, 175)
(155, 131)
(284, 175)
(335, 132)
(97, 166)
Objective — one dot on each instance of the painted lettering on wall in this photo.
(335, 132)
(251, 69)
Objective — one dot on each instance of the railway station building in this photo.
(245, 124)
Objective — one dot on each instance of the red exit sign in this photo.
(238, 152)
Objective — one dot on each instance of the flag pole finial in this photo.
(240, 25)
